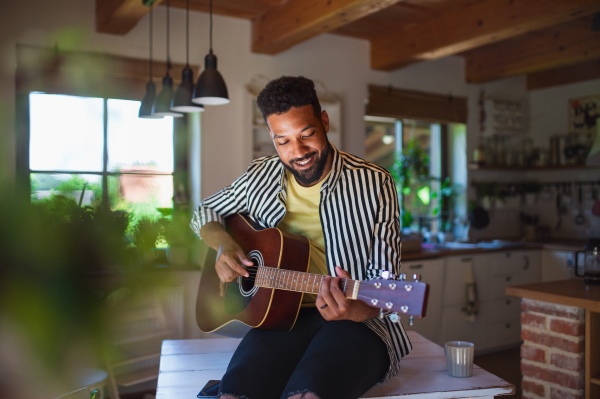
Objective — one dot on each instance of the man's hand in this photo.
(227, 266)
(338, 306)
(229, 253)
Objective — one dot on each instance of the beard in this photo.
(309, 176)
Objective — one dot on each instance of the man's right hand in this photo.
(227, 266)
(229, 253)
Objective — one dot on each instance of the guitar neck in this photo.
(281, 279)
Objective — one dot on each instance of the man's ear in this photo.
(325, 121)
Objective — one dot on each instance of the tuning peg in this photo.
(394, 317)
(402, 277)
(411, 321)
(385, 274)
(381, 313)
(416, 277)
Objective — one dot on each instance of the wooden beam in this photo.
(561, 76)
(475, 25)
(294, 21)
(119, 16)
(246, 9)
(569, 43)
(411, 104)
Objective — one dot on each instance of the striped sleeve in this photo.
(232, 199)
(385, 250)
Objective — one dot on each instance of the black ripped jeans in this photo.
(333, 360)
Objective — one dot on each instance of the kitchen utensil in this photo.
(591, 261)
(596, 206)
(459, 358)
(562, 206)
(580, 219)
(479, 217)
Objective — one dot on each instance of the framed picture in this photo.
(583, 114)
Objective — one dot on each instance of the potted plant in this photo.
(178, 236)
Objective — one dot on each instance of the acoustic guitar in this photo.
(271, 296)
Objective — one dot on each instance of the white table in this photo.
(187, 365)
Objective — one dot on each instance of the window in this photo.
(426, 174)
(97, 149)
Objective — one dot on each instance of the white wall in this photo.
(549, 108)
(341, 63)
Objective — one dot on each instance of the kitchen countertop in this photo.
(573, 292)
(555, 245)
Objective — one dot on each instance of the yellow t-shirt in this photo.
(302, 217)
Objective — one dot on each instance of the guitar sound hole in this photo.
(248, 282)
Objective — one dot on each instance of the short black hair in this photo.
(281, 94)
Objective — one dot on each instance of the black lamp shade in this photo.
(182, 100)
(210, 88)
(148, 102)
(162, 105)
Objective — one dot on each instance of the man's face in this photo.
(301, 142)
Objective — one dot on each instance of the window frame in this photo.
(44, 70)
(105, 173)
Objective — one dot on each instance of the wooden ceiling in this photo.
(498, 38)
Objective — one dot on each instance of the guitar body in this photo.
(241, 300)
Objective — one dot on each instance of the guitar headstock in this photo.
(400, 296)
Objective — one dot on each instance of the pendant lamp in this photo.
(182, 100)
(210, 88)
(162, 104)
(148, 100)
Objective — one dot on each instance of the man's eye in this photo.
(309, 135)
(283, 143)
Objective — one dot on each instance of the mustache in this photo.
(304, 157)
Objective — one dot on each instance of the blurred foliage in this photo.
(60, 264)
(414, 183)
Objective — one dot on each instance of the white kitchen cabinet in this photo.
(557, 265)
(457, 268)
(497, 323)
(432, 273)
(456, 327)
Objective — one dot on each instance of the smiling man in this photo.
(348, 208)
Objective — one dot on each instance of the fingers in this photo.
(236, 267)
(331, 295)
(244, 260)
(227, 265)
(341, 272)
(337, 294)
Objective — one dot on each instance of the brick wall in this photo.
(552, 354)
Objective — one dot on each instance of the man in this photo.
(348, 208)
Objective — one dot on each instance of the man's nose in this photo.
(299, 149)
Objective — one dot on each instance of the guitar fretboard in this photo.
(281, 279)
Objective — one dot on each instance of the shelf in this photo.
(595, 379)
(520, 168)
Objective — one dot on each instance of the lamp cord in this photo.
(150, 63)
(187, 33)
(211, 27)
(168, 29)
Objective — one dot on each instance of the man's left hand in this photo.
(338, 306)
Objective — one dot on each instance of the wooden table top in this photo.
(573, 292)
(187, 365)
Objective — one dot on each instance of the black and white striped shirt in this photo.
(359, 215)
